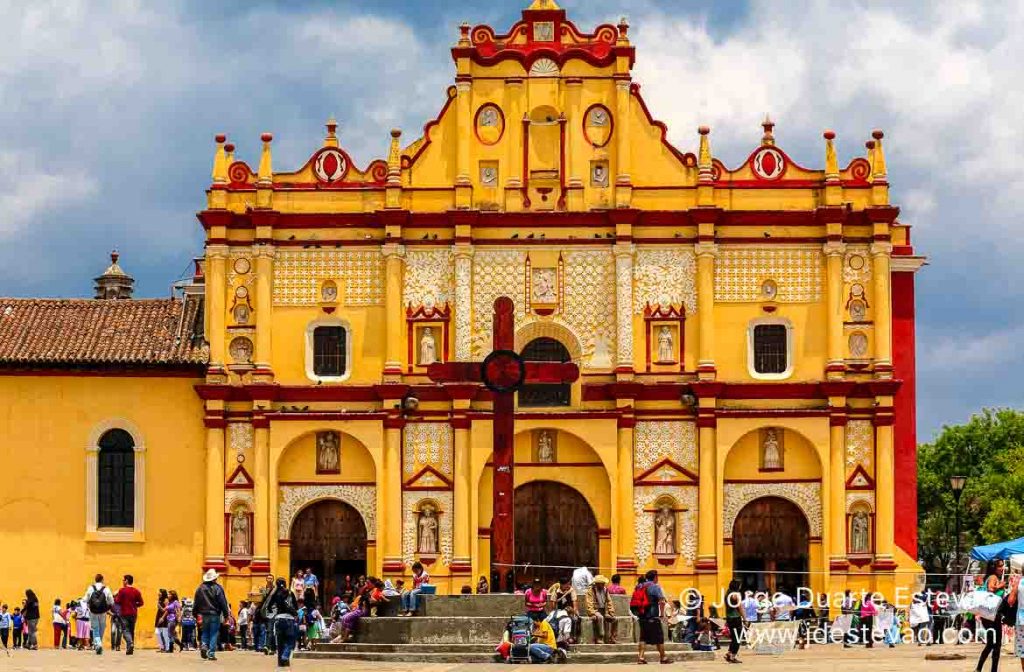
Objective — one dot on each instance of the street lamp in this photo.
(956, 484)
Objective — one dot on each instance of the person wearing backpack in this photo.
(648, 604)
(99, 600)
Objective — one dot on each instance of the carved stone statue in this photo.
(327, 453)
(771, 451)
(666, 351)
(665, 531)
(239, 533)
(545, 447)
(544, 285)
(427, 531)
(489, 117)
(428, 347)
(860, 541)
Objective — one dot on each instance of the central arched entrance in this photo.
(771, 545)
(329, 536)
(555, 529)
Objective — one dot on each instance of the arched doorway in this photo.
(554, 528)
(329, 536)
(770, 545)
(545, 349)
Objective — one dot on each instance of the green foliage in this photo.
(989, 450)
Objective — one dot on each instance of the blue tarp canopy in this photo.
(1003, 549)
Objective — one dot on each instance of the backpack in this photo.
(98, 600)
(640, 600)
(519, 629)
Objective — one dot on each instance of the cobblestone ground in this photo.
(819, 659)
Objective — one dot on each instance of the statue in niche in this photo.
(860, 541)
(240, 532)
(489, 117)
(427, 527)
(242, 314)
(666, 349)
(665, 531)
(544, 285)
(771, 451)
(328, 453)
(428, 347)
(545, 447)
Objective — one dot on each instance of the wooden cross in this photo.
(503, 372)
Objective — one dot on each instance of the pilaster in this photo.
(264, 254)
(706, 253)
(880, 254)
(834, 251)
(463, 302)
(624, 308)
(394, 266)
(213, 538)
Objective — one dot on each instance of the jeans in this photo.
(287, 632)
(409, 599)
(605, 627)
(993, 633)
(115, 633)
(98, 626)
(243, 636)
(3, 636)
(31, 642)
(210, 633)
(162, 640)
(259, 636)
(128, 631)
(540, 652)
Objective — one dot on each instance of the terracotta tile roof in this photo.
(94, 332)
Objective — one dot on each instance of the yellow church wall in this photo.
(46, 423)
(800, 459)
(367, 331)
(809, 333)
(298, 462)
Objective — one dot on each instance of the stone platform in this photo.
(466, 628)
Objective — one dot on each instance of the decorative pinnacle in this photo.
(265, 174)
(267, 137)
(878, 165)
(768, 138)
(831, 163)
(464, 34)
(220, 164)
(332, 132)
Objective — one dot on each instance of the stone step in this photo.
(489, 605)
(455, 657)
(360, 647)
(454, 629)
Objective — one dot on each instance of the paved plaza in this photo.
(818, 659)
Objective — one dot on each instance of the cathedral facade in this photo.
(744, 335)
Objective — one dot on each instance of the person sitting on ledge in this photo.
(616, 586)
(601, 611)
(543, 645)
(482, 588)
(565, 613)
(411, 597)
(536, 598)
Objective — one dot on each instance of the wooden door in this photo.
(770, 542)
(329, 537)
(555, 531)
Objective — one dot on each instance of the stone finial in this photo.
(464, 40)
(878, 170)
(623, 32)
(229, 154)
(114, 283)
(870, 146)
(768, 138)
(395, 158)
(331, 140)
(831, 163)
(220, 164)
(265, 174)
(704, 155)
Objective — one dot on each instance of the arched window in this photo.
(545, 349)
(116, 479)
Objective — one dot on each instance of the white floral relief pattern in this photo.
(852, 273)
(240, 437)
(410, 505)
(860, 497)
(655, 440)
(298, 275)
(428, 277)
(236, 498)
(805, 495)
(665, 277)
(644, 498)
(589, 305)
(860, 435)
(797, 271)
(294, 498)
(463, 307)
(427, 443)
(495, 273)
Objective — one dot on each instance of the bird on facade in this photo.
(425, 236)
(291, 237)
(515, 235)
(676, 234)
(597, 235)
(609, 235)
(530, 236)
(435, 236)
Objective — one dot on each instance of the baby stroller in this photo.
(519, 630)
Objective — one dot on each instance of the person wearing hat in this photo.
(211, 604)
(602, 611)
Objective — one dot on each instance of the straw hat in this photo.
(211, 575)
(600, 578)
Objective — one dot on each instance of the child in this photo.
(316, 626)
(302, 628)
(188, 626)
(17, 623)
(705, 637)
(243, 625)
(5, 624)
(82, 624)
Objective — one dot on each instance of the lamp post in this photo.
(956, 484)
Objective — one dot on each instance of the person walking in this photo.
(60, 623)
(128, 600)
(99, 600)
(280, 611)
(993, 629)
(82, 624)
(17, 627)
(259, 626)
(160, 622)
(601, 610)
(1016, 601)
(31, 615)
(173, 612)
(648, 601)
(5, 624)
(734, 619)
(868, 612)
(211, 604)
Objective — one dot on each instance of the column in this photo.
(261, 492)
(394, 262)
(463, 302)
(214, 533)
(390, 520)
(216, 258)
(624, 307)
(837, 489)
(513, 132)
(463, 508)
(834, 269)
(264, 304)
(706, 253)
(882, 309)
(464, 120)
(623, 192)
(707, 507)
(884, 495)
(625, 546)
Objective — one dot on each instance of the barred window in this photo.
(116, 475)
(329, 351)
(771, 348)
(545, 394)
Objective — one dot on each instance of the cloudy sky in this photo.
(110, 109)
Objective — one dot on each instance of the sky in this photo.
(110, 108)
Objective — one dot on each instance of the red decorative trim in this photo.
(240, 471)
(688, 160)
(625, 565)
(408, 161)
(410, 483)
(707, 565)
(771, 480)
(904, 349)
(884, 565)
(626, 422)
(526, 162)
(604, 533)
(666, 462)
(490, 464)
(838, 565)
(860, 471)
(772, 412)
(393, 566)
(260, 566)
(859, 560)
(217, 564)
(611, 126)
(327, 482)
(460, 567)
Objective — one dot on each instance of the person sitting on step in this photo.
(564, 616)
(536, 598)
(411, 597)
(543, 645)
(601, 611)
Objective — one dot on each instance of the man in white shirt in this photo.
(749, 608)
(783, 605)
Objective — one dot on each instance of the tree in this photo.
(989, 450)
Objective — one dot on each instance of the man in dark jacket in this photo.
(212, 605)
(280, 611)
